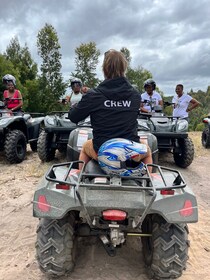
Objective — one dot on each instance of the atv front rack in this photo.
(147, 183)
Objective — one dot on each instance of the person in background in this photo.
(76, 86)
(113, 108)
(183, 103)
(150, 97)
(12, 96)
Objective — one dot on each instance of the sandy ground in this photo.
(18, 227)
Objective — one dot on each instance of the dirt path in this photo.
(18, 229)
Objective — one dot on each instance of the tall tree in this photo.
(51, 80)
(127, 54)
(22, 60)
(137, 75)
(86, 62)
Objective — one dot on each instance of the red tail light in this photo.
(187, 209)
(205, 121)
(167, 192)
(62, 187)
(114, 215)
(43, 204)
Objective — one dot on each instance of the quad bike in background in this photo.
(16, 131)
(55, 135)
(172, 134)
(205, 138)
(83, 132)
(70, 203)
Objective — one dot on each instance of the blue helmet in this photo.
(116, 156)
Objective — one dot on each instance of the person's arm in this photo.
(82, 109)
(142, 109)
(160, 100)
(193, 104)
(20, 102)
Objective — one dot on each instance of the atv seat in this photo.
(92, 167)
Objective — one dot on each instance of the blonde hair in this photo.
(114, 64)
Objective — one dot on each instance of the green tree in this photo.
(137, 75)
(127, 54)
(7, 67)
(22, 60)
(51, 80)
(86, 62)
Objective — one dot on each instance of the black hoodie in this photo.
(113, 108)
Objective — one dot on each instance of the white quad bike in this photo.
(155, 207)
(172, 134)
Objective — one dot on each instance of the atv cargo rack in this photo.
(150, 183)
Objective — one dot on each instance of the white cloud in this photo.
(170, 39)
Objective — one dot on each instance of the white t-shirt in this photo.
(181, 105)
(154, 98)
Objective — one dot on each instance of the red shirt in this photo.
(12, 103)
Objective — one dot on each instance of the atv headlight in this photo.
(182, 125)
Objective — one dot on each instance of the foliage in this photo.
(41, 93)
(86, 62)
(7, 67)
(51, 85)
(127, 54)
(22, 61)
(137, 75)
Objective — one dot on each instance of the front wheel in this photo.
(184, 153)
(44, 147)
(15, 146)
(166, 251)
(205, 138)
(56, 245)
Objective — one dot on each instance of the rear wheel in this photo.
(15, 146)
(166, 251)
(205, 138)
(56, 245)
(44, 146)
(184, 153)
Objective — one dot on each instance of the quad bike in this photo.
(83, 132)
(205, 138)
(71, 203)
(54, 136)
(16, 131)
(172, 134)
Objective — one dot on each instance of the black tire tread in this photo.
(185, 158)
(13, 139)
(55, 246)
(45, 151)
(170, 250)
(205, 138)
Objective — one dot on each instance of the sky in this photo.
(171, 39)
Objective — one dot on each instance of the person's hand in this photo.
(85, 89)
(73, 105)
